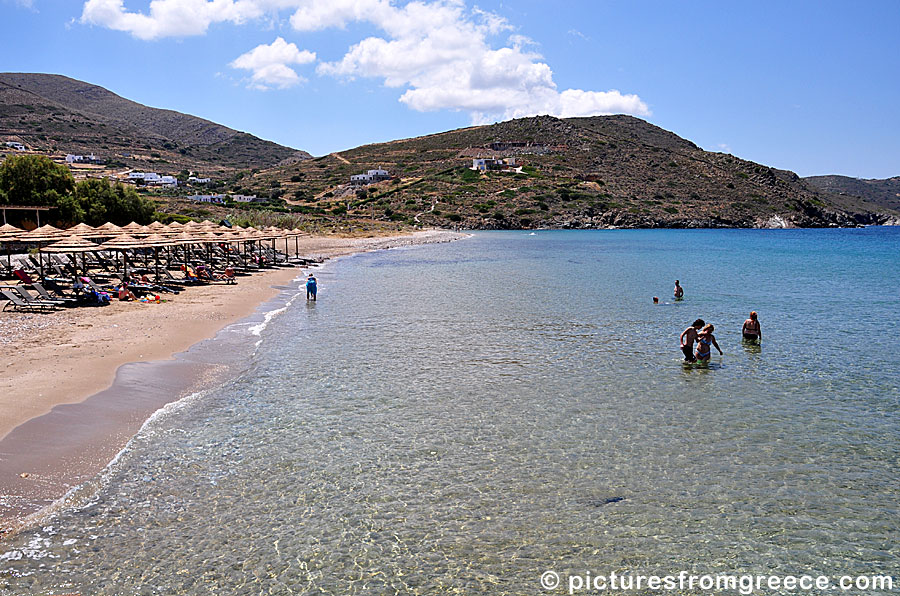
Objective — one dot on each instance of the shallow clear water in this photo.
(459, 418)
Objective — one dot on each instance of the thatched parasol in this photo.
(296, 233)
(72, 244)
(110, 229)
(155, 241)
(156, 226)
(8, 229)
(122, 243)
(41, 235)
(133, 226)
(8, 235)
(85, 231)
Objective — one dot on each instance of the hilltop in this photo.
(604, 171)
(53, 113)
(881, 192)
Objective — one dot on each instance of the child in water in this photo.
(705, 339)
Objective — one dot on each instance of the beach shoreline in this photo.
(66, 408)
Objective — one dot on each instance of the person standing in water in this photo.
(705, 339)
(679, 291)
(688, 337)
(751, 330)
(311, 287)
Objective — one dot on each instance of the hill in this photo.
(53, 113)
(604, 171)
(881, 192)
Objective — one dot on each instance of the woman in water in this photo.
(751, 330)
(705, 339)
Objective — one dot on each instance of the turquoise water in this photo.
(459, 418)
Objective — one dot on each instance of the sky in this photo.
(802, 85)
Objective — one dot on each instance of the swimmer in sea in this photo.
(705, 339)
(688, 337)
(311, 287)
(679, 291)
(751, 330)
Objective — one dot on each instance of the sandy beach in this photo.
(65, 357)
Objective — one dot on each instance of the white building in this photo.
(484, 164)
(218, 199)
(153, 179)
(370, 177)
(195, 180)
(15, 145)
(247, 199)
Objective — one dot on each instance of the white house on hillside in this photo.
(218, 199)
(370, 177)
(484, 164)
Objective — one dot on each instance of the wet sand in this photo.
(68, 403)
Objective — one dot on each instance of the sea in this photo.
(486, 415)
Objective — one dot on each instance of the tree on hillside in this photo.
(33, 180)
(98, 202)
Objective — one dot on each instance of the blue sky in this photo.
(812, 87)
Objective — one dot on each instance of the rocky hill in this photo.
(881, 192)
(55, 113)
(605, 171)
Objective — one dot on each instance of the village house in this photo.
(247, 199)
(153, 179)
(485, 164)
(195, 180)
(369, 177)
(218, 199)
(70, 158)
(15, 145)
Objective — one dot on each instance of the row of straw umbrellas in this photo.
(77, 239)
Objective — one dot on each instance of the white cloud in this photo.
(440, 52)
(269, 64)
(177, 18)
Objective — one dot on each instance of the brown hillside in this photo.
(53, 112)
(605, 171)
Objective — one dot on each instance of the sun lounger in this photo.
(18, 301)
(47, 296)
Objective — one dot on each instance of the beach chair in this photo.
(43, 294)
(18, 301)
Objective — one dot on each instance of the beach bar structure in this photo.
(36, 208)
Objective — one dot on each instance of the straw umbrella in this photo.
(207, 238)
(185, 239)
(110, 229)
(83, 229)
(8, 235)
(296, 233)
(70, 245)
(122, 243)
(41, 235)
(275, 233)
(155, 241)
(157, 226)
(132, 227)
